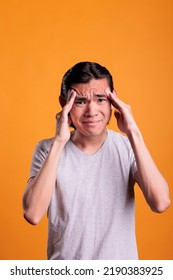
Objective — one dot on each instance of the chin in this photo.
(92, 132)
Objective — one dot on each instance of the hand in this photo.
(123, 113)
(63, 120)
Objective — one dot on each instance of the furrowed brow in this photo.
(100, 95)
(80, 98)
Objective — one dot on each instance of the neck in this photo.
(89, 144)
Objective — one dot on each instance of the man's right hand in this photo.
(63, 121)
(38, 193)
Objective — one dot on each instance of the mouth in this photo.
(91, 123)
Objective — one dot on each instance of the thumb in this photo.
(58, 116)
(117, 115)
(69, 120)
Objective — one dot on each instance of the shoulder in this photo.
(120, 144)
(43, 146)
(118, 139)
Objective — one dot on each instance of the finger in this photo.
(70, 101)
(58, 116)
(71, 93)
(115, 101)
(111, 94)
(115, 92)
(117, 114)
(107, 91)
(69, 120)
(113, 97)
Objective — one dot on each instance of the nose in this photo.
(91, 110)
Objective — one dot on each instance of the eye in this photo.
(80, 102)
(101, 99)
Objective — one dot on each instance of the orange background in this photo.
(40, 40)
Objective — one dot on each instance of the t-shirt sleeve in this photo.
(38, 158)
(133, 166)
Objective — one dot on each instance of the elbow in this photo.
(162, 206)
(31, 218)
(160, 201)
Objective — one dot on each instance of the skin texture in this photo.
(90, 114)
(89, 106)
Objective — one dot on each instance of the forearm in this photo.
(39, 190)
(149, 178)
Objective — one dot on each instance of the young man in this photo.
(85, 179)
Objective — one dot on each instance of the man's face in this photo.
(91, 110)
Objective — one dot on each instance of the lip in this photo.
(90, 123)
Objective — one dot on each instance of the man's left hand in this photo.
(125, 120)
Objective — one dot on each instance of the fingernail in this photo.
(107, 90)
(72, 92)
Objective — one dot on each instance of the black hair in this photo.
(83, 72)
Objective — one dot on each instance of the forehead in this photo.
(93, 86)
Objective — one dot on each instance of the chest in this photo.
(86, 180)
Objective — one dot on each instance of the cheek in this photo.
(73, 111)
(75, 114)
(107, 110)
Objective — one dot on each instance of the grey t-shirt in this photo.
(91, 213)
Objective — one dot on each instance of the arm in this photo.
(148, 177)
(38, 193)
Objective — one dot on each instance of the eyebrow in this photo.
(80, 98)
(84, 98)
(100, 95)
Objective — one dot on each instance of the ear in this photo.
(62, 101)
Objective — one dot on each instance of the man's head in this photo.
(83, 72)
(91, 110)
